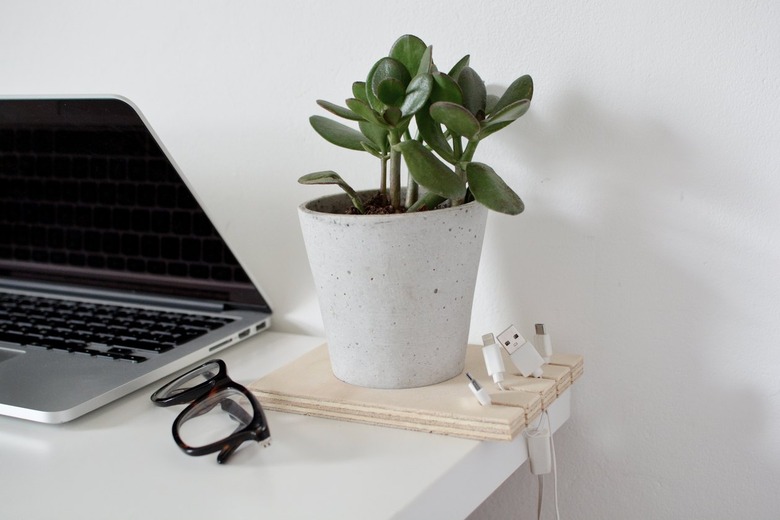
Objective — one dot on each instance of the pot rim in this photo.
(303, 208)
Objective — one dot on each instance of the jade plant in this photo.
(408, 111)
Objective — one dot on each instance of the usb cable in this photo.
(494, 361)
(522, 353)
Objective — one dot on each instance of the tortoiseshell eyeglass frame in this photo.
(205, 396)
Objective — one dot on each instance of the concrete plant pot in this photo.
(395, 291)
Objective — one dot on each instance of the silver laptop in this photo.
(111, 274)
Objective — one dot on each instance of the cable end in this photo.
(480, 393)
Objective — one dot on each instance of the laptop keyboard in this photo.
(92, 329)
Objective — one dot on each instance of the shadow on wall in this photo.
(621, 252)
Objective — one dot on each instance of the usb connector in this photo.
(494, 361)
(543, 343)
(523, 354)
(480, 393)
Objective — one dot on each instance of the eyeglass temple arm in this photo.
(225, 453)
(236, 412)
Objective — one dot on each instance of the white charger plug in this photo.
(522, 353)
(480, 393)
(539, 452)
(494, 361)
(543, 343)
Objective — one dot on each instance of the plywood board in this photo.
(573, 361)
(545, 388)
(307, 386)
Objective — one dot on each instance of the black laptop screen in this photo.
(87, 196)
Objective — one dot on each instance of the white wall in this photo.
(649, 164)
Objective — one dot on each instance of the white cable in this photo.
(534, 461)
(543, 343)
(539, 498)
(535, 454)
(480, 393)
(554, 469)
(494, 362)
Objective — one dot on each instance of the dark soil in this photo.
(376, 205)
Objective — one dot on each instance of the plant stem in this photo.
(460, 172)
(395, 172)
(412, 192)
(468, 154)
(383, 176)
(412, 188)
(457, 148)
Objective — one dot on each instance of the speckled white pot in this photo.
(395, 291)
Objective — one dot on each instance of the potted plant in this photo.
(395, 269)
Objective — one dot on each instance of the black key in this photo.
(121, 351)
(183, 338)
(133, 358)
(139, 344)
(66, 345)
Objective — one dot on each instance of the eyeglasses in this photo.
(204, 427)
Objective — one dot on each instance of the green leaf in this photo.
(376, 134)
(393, 75)
(338, 110)
(392, 116)
(511, 112)
(417, 94)
(456, 118)
(390, 91)
(433, 135)
(491, 128)
(491, 191)
(372, 149)
(359, 91)
(426, 62)
(430, 172)
(521, 88)
(462, 64)
(446, 89)
(474, 92)
(323, 177)
(362, 109)
(427, 201)
(408, 49)
(369, 95)
(331, 177)
(492, 100)
(503, 117)
(337, 133)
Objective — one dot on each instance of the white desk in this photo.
(121, 462)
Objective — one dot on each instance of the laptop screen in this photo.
(88, 197)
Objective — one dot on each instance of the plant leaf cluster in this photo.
(449, 113)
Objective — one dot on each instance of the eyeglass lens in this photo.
(190, 380)
(216, 418)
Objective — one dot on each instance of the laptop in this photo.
(112, 276)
